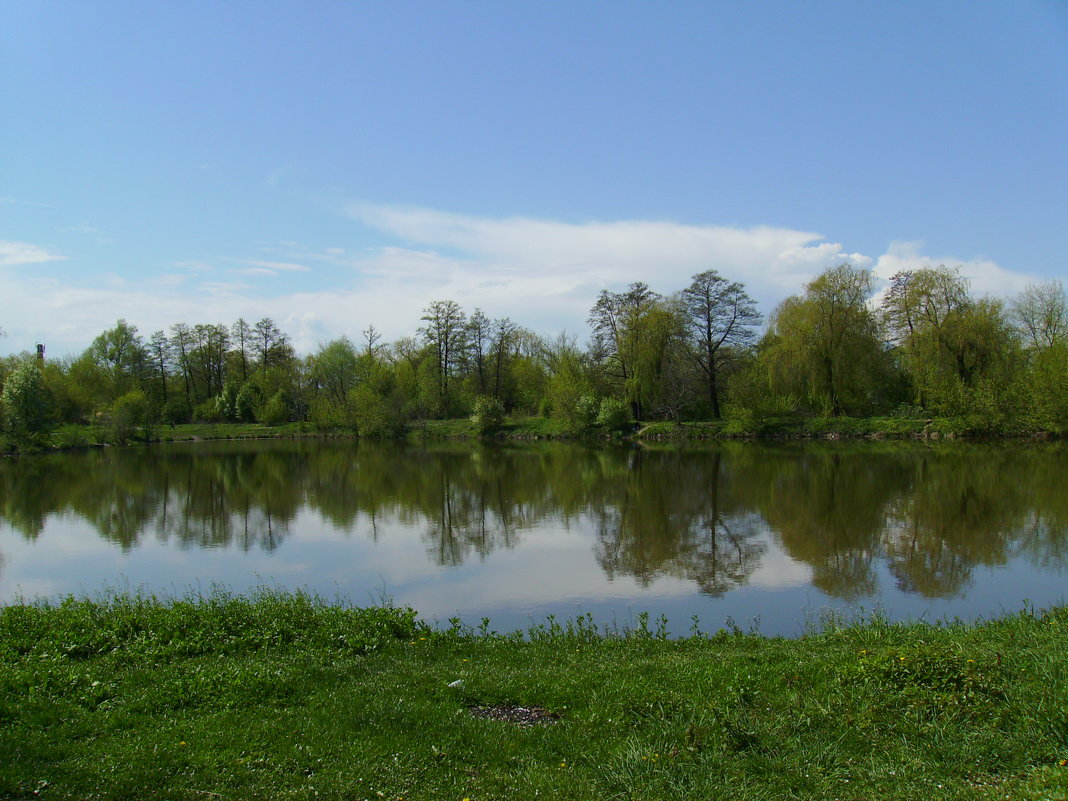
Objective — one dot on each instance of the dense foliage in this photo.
(927, 347)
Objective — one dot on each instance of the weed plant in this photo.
(285, 696)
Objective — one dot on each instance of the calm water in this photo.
(765, 535)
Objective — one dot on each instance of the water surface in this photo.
(767, 535)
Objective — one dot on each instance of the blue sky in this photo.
(339, 164)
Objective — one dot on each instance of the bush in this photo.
(206, 411)
(177, 411)
(488, 414)
(614, 415)
(378, 414)
(226, 403)
(586, 409)
(275, 412)
(132, 414)
(247, 404)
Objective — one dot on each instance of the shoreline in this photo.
(80, 437)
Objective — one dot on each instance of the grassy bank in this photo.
(281, 696)
(68, 437)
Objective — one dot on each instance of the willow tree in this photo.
(627, 327)
(955, 348)
(823, 346)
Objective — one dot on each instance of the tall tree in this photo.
(1041, 314)
(119, 352)
(951, 342)
(478, 339)
(159, 351)
(824, 345)
(182, 343)
(721, 317)
(270, 342)
(445, 333)
(617, 335)
(242, 336)
(503, 341)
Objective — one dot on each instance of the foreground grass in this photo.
(283, 696)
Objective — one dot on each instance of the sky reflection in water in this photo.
(768, 535)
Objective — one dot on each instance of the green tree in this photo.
(121, 361)
(1041, 314)
(617, 336)
(958, 351)
(823, 346)
(721, 317)
(131, 414)
(26, 403)
(445, 334)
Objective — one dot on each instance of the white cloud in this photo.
(273, 267)
(13, 253)
(543, 274)
(546, 274)
(985, 277)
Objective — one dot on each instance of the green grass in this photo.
(284, 696)
(70, 436)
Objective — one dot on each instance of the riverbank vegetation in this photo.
(285, 696)
(926, 355)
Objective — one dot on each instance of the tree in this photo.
(207, 356)
(242, 335)
(503, 338)
(159, 353)
(270, 343)
(823, 345)
(120, 354)
(721, 316)
(617, 335)
(129, 413)
(25, 402)
(477, 337)
(951, 343)
(182, 342)
(445, 333)
(335, 370)
(1041, 314)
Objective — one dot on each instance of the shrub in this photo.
(274, 412)
(177, 411)
(488, 414)
(586, 409)
(131, 414)
(614, 415)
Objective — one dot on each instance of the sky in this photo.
(335, 165)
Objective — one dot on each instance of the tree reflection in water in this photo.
(928, 515)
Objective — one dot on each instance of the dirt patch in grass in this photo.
(519, 715)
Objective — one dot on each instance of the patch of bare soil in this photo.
(519, 715)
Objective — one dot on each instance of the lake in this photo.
(771, 536)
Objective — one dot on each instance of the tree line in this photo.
(927, 347)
